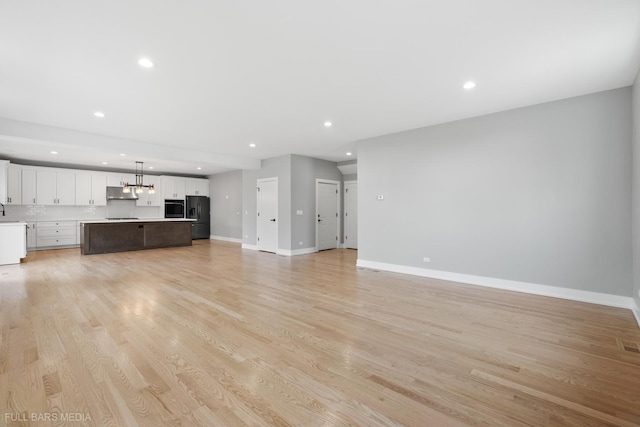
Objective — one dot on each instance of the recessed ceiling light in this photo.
(150, 167)
(54, 152)
(469, 85)
(145, 63)
(252, 145)
(349, 153)
(199, 168)
(122, 154)
(328, 124)
(99, 114)
(105, 163)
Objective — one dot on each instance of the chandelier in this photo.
(139, 185)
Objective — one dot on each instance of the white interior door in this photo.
(327, 221)
(267, 227)
(351, 214)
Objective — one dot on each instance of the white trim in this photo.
(510, 285)
(225, 239)
(635, 310)
(346, 222)
(339, 207)
(304, 251)
(250, 247)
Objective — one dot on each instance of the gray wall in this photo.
(304, 172)
(225, 191)
(539, 194)
(277, 167)
(349, 176)
(636, 190)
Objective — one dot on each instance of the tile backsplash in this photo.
(114, 208)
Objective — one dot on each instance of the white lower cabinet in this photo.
(56, 233)
(32, 241)
(12, 236)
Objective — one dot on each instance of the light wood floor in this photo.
(212, 335)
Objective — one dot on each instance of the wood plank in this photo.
(211, 334)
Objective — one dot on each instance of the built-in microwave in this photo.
(174, 208)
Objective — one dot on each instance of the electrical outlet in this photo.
(425, 259)
(226, 197)
(300, 243)
(298, 212)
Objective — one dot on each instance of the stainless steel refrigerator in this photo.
(198, 209)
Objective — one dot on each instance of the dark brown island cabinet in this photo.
(98, 237)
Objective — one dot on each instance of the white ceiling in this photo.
(233, 72)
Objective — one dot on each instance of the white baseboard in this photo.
(636, 310)
(509, 285)
(284, 252)
(295, 252)
(48, 248)
(225, 239)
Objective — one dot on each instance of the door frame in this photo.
(275, 178)
(346, 222)
(339, 205)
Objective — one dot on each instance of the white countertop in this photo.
(12, 223)
(113, 221)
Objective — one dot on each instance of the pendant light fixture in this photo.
(139, 185)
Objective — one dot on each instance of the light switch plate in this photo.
(298, 212)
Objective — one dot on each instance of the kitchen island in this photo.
(105, 236)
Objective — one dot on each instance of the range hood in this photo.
(116, 193)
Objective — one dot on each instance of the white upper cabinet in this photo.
(119, 179)
(91, 189)
(83, 189)
(55, 188)
(99, 189)
(155, 199)
(29, 186)
(46, 188)
(173, 187)
(197, 187)
(14, 185)
(4, 166)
